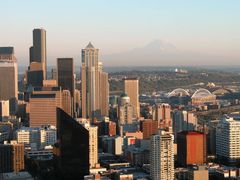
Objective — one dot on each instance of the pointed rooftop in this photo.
(89, 46)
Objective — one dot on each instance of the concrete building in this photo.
(43, 103)
(93, 142)
(77, 101)
(11, 157)
(67, 102)
(131, 88)
(48, 135)
(198, 173)
(125, 110)
(38, 137)
(4, 109)
(191, 148)
(148, 127)
(8, 77)
(183, 121)
(162, 156)
(162, 114)
(227, 139)
(30, 137)
(95, 86)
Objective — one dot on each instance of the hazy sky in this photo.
(203, 26)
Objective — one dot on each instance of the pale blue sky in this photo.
(115, 26)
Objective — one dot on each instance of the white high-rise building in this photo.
(94, 85)
(93, 141)
(162, 156)
(228, 139)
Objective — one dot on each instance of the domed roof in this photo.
(202, 93)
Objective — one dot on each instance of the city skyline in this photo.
(200, 31)
(116, 90)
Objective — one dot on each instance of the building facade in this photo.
(71, 152)
(38, 52)
(227, 139)
(43, 103)
(162, 156)
(11, 157)
(131, 88)
(94, 85)
(191, 148)
(8, 77)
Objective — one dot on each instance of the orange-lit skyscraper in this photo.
(191, 148)
(131, 88)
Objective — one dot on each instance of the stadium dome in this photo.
(178, 92)
(202, 96)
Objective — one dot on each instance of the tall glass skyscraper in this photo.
(95, 86)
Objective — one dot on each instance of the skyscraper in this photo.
(104, 92)
(93, 141)
(191, 148)
(66, 102)
(11, 157)
(125, 110)
(131, 88)
(65, 74)
(8, 77)
(162, 113)
(65, 79)
(227, 140)
(39, 51)
(43, 103)
(148, 127)
(72, 150)
(94, 85)
(162, 156)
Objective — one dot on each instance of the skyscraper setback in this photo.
(37, 70)
(94, 85)
(39, 49)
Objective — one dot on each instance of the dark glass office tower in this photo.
(65, 74)
(72, 148)
(39, 51)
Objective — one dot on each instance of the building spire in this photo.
(89, 46)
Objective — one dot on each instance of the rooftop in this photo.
(89, 46)
(6, 50)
